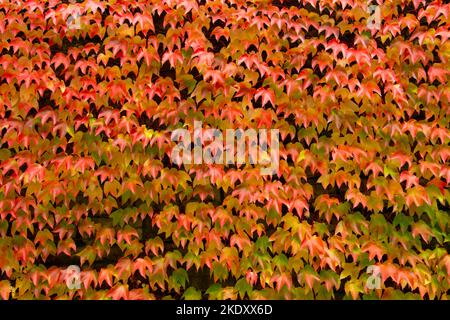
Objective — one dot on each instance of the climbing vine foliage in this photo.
(91, 91)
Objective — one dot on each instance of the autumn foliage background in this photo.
(86, 177)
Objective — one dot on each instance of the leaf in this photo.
(119, 292)
(417, 196)
(144, 265)
(267, 96)
(422, 229)
(281, 261)
(126, 234)
(154, 245)
(106, 274)
(180, 277)
(214, 292)
(353, 288)
(87, 254)
(5, 289)
(192, 294)
(310, 276)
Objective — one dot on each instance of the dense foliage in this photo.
(86, 116)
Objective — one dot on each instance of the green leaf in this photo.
(192, 294)
(215, 292)
(243, 288)
(281, 260)
(4, 154)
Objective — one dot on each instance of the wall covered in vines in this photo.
(90, 93)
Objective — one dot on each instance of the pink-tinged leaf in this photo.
(106, 274)
(267, 96)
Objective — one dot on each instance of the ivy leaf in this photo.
(180, 276)
(87, 254)
(214, 292)
(192, 294)
(5, 289)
